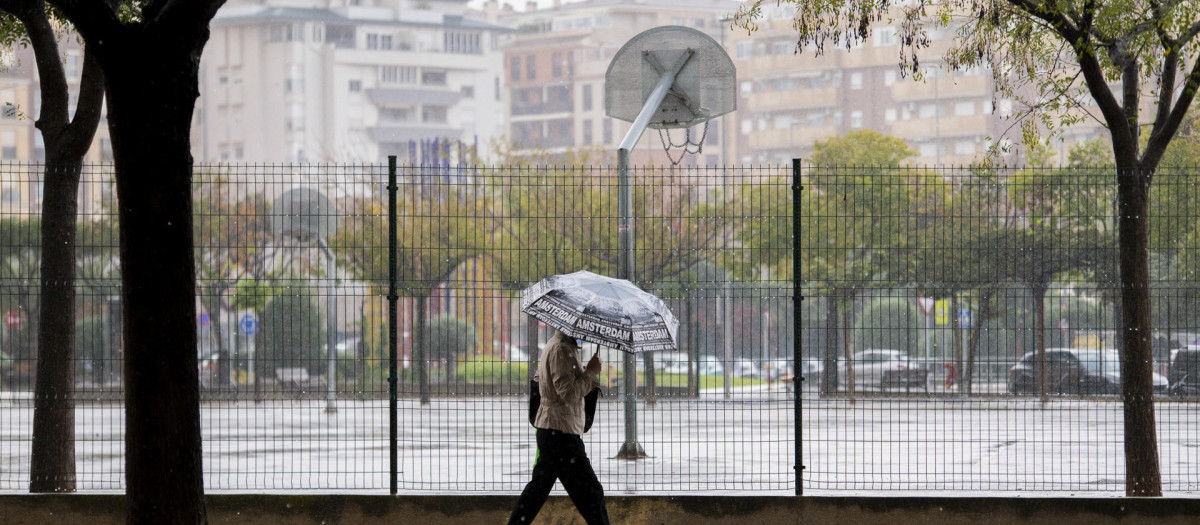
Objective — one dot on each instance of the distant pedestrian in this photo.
(563, 382)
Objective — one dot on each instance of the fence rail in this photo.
(927, 278)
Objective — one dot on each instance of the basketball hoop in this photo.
(695, 148)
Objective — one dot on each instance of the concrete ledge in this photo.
(251, 509)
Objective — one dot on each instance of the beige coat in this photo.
(562, 383)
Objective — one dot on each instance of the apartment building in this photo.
(347, 81)
(788, 100)
(21, 143)
(556, 60)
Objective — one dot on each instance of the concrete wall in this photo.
(249, 509)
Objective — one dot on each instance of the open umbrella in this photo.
(602, 310)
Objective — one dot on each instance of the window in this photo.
(238, 150)
(856, 119)
(433, 77)
(394, 114)
(378, 41)
(10, 111)
(462, 42)
(928, 111)
(74, 64)
(556, 65)
(963, 109)
(514, 68)
(10, 194)
(397, 75)
(608, 131)
(530, 67)
(964, 147)
(587, 132)
(928, 149)
(9, 152)
(355, 86)
(889, 115)
(1005, 108)
(747, 88)
(885, 36)
(856, 80)
(433, 114)
(467, 91)
(889, 77)
(341, 37)
(587, 97)
(745, 49)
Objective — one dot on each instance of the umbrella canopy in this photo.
(602, 310)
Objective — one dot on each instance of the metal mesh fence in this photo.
(928, 296)
(292, 280)
(929, 280)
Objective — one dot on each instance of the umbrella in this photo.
(602, 310)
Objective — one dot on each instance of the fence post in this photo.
(392, 298)
(797, 329)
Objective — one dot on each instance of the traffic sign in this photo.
(926, 304)
(203, 318)
(13, 319)
(248, 324)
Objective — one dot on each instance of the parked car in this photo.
(810, 369)
(710, 366)
(885, 369)
(746, 368)
(1074, 371)
(1184, 374)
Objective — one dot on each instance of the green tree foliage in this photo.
(19, 271)
(232, 235)
(892, 323)
(1125, 55)
(291, 335)
(450, 338)
(440, 226)
(856, 213)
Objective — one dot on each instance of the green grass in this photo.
(490, 371)
(706, 381)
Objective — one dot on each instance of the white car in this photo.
(883, 369)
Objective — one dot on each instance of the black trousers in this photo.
(561, 457)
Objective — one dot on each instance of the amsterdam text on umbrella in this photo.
(602, 310)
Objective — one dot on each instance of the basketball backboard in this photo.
(303, 213)
(704, 86)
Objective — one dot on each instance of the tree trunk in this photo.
(651, 381)
(151, 82)
(531, 346)
(956, 339)
(1142, 475)
(829, 378)
(212, 304)
(1039, 338)
(849, 356)
(420, 350)
(52, 465)
(977, 324)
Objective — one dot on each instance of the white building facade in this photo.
(309, 81)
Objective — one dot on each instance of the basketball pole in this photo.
(631, 449)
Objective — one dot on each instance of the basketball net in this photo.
(664, 136)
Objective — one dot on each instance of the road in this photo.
(742, 444)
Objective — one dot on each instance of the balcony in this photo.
(409, 97)
(796, 99)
